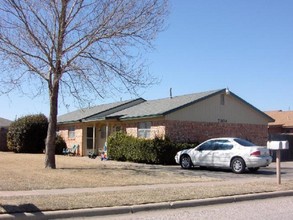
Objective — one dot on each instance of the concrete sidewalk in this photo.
(66, 191)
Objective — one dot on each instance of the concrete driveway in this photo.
(264, 172)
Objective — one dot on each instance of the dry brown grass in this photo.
(26, 172)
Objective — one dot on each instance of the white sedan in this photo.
(234, 153)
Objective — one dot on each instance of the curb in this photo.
(145, 207)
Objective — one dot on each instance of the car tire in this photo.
(253, 169)
(185, 162)
(238, 165)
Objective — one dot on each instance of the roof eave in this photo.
(69, 122)
(140, 117)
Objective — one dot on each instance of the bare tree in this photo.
(76, 47)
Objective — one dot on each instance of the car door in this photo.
(222, 153)
(203, 154)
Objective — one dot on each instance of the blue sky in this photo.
(246, 46)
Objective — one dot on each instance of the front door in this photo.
(90, 148)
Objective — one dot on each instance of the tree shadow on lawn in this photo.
(18, 211)
(133, 170)
(78, 168)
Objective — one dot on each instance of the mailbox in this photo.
(285, 145)
(278, 145)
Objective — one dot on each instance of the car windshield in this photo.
(243, 142)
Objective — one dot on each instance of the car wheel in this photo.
(253, 169)
(238, 165)
(185, 162)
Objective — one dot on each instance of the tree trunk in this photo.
(51, 133)
(54, 80)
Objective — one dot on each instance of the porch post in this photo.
(107, 131)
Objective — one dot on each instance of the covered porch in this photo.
(96, 136)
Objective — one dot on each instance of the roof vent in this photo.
(171, 93)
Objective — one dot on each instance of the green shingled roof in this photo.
(160, 107)
(140, 108)
(99, 111)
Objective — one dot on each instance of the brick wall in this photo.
(131, 129)
(157, 129)
(63, 131)
(183, 131)
(196, 131)
(276, 129)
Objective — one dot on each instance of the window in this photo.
(244, 143)
(103, 132)
(223, 145)
(144, 130)
(209, 145)
(71, 132)
(89, 137)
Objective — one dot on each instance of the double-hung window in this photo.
(144, 130)
(71, 132)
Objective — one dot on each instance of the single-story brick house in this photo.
(4, 125)
(283, 122)
(194, 117)
(282, 130)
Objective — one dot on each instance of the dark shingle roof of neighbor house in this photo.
(4, 122)
(140, 108)
(98, 111)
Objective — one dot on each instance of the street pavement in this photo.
(268, 209)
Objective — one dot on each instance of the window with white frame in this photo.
(71, 132)
(144, 130)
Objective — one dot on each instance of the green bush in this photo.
(122, 147)
(60, 144)
(27, 134)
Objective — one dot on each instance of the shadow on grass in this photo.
(78, 168)
(19, 211)
(134, 170)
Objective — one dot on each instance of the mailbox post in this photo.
(278, 146)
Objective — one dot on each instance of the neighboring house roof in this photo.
(96, 112)
(282, 118)
(4, 122)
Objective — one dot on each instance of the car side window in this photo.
(207, 146)
(227, 146)
(223, 145)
